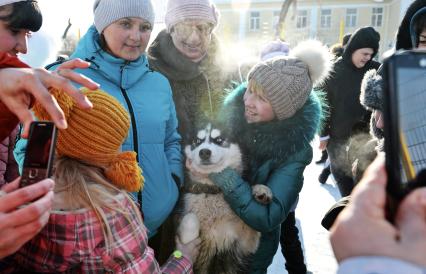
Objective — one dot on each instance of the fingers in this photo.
(65, 70)
(411, 215)
(376, 172)
(78, 78)
(369, 196)
(25, 195)
(61, 83)
(31, 212)
(26, 132)
(74, 63)
(18, 236)
(411, 221)
(11, 186)
(34, 84)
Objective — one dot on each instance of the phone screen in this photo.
(411, 108)
(39, 145)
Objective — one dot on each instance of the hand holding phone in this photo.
(40, 153)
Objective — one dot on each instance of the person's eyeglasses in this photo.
(185, 29)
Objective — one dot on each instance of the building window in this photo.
(350, 18)
(254, 21)
(302, 19)
(326, 18)
(377, 17)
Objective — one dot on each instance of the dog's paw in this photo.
(262, 194)
(189, 228)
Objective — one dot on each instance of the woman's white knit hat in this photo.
(180, 10)
(108, 11)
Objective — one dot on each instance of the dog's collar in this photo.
(198, 188)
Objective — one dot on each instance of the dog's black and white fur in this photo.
(226, 241)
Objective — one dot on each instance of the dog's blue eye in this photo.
(218, 140)
(198, 141)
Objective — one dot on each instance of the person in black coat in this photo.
(347, 116)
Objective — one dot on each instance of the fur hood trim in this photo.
(371, 96)
(316, 56)
(403, 36)
(278, 139)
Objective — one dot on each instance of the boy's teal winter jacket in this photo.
(153, 134)
(277, 153)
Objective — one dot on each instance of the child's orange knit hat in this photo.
(96, 136)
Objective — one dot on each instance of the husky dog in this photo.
(226, 241)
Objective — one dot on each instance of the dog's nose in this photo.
(205, 154)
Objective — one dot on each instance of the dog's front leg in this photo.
(189, 228)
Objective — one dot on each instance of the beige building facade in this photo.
(246, 25)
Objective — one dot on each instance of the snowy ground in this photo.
(315, 200)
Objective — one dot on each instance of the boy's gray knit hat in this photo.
(285, 82)
(108, 11)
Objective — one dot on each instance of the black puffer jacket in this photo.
(342, 88)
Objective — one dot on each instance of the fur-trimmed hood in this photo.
(371, 98)
(404, 34)
(278, 139)
(366, 37)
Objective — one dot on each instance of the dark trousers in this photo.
(340, 166)
(291, 246)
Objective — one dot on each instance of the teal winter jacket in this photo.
(277, 153)
(147, 96)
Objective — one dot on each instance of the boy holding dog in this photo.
(277, 115)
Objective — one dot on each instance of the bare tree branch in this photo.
(283, 14)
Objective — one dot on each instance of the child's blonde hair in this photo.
(85, 186)
(255, 87)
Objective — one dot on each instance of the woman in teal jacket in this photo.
(123, 72)
(278, 116)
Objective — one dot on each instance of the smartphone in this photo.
(40, 153)
(405, 120)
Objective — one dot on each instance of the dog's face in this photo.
(211, 151)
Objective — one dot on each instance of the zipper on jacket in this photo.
(134, 128)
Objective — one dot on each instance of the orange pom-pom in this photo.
(125, 173)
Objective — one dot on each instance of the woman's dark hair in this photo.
(23, 15)
(420, 25)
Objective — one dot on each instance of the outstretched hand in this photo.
(361, 229)
(19, 84)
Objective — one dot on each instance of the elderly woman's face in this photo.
(127, 38)
(192, 38)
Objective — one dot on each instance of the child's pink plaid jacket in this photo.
(72, 242)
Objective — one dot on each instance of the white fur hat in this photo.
(7, 2)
